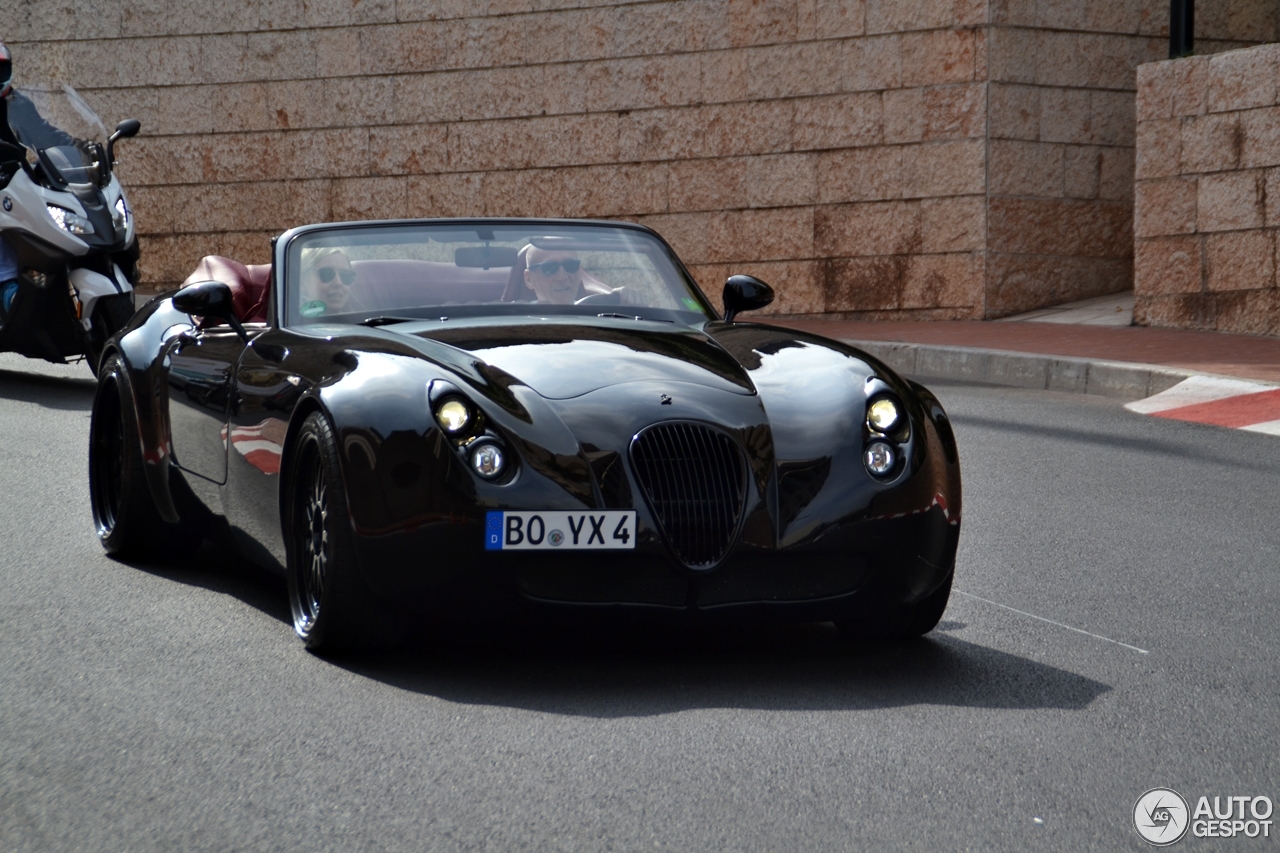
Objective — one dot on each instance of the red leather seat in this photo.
(249, 284)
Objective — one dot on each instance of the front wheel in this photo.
(333, 610)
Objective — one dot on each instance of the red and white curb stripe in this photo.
(1215, 400)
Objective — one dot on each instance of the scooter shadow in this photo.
(63, 393)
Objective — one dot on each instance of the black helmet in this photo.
(6, 71)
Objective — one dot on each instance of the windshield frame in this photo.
(287, 257)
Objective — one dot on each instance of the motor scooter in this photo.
(65, 216)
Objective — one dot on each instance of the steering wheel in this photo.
(612, 298)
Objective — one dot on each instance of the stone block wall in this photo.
(923, 159)
(1060, 169)
(1208, 192)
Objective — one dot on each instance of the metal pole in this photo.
(1182, 28)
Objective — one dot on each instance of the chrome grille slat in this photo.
(694, 479)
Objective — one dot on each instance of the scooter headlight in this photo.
(72, 223)
(120, 215)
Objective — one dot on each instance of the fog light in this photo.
(487, 461)
(454, 416)
(879, 458)
(883, 415)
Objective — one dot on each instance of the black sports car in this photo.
(425, 419)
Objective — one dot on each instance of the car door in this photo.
(199, 374)
(266, 388)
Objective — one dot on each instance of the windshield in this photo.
(429, 271)
(56, 122)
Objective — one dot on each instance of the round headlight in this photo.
(454, 416)
(883, 415)
(879, 458)
(487, 461)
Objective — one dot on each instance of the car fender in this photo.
(389, 444)
(142, 347)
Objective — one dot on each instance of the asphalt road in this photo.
(1113, 630)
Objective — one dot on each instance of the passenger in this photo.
(554, 276)
(326, 283)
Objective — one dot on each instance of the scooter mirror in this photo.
(127, 128)
(124, 130)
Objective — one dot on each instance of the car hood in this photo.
(560, 360)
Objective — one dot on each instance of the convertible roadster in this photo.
(466, 418)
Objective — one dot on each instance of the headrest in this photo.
(517, 290)
(249, 284)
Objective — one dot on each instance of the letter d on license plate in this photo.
(555, 530)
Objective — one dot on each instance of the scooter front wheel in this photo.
(110, 314)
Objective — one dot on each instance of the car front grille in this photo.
(694, 479)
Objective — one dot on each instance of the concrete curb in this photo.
(1123, 380)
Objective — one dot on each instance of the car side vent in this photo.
(694, 480)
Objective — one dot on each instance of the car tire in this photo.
(124, 514)
(901, 621)
(333, 610)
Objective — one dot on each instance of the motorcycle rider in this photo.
(17, 108)
(8, 258)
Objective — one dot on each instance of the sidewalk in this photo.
(1087, 348)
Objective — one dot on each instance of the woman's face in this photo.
(330, 282)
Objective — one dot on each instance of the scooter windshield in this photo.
(55, 121)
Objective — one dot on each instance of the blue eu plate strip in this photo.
(493, 531)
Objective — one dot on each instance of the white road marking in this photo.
(1051, 622)
(1195, 390)
(1269, 427)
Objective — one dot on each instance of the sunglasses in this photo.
(570, 265)
(327, 273)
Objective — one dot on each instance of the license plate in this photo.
(555, 530)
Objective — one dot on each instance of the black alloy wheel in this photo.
(314, 548)
(332, 609)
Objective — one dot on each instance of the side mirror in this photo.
(211, 299)
(124, 130)
(744, 293)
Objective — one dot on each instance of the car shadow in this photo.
(51, 392)
(644, 670)
(220, 570)
(637, 667)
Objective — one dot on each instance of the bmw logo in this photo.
(8, 203)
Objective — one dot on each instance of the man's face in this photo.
(330, 281)
(555, 277)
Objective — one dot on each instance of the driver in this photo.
(554, 276)
(326, 283)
